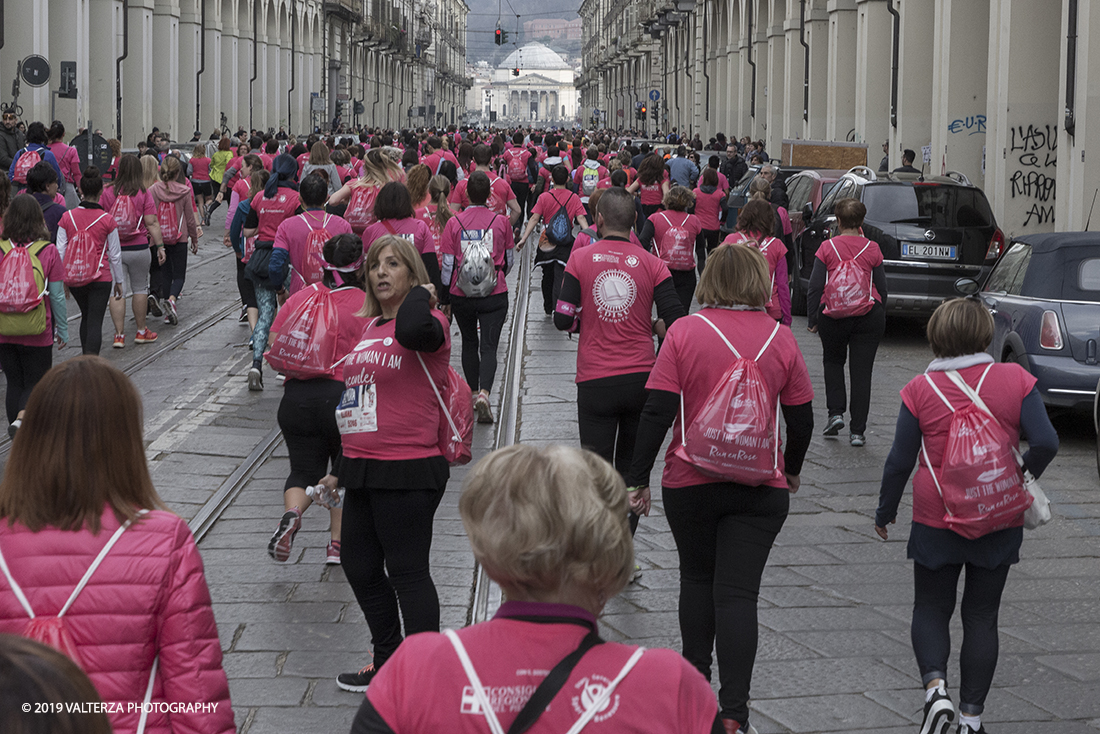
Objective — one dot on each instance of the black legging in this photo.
(724, 533)
(552, 274)
(91, 299)
(856, 340)
(23, 367)
(704, 243)
(479, 352)
(608, 412)
(933, 605)
(307, 418)
(245, 286)
(684, 283)
(386, 539)
(175, 268)
(522, 190)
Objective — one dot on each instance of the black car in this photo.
(932, 231)
(739, 193)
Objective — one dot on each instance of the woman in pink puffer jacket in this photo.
(148, 600)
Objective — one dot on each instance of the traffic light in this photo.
(339, 108)
(656, 111)
(499, 37)
(504, 37)
(640, 114)
(515, 72)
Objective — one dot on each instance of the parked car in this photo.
(1096, 423)
(932, 231)
(739, 193)
(1044, 294)
(808, 187)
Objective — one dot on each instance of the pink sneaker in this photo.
(332, 553)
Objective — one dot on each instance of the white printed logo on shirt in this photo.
(501, 698)
(614, 293)
(591, 687)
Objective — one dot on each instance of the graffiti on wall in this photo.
(1033, 151)
(972, 125)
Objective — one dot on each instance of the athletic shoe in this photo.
(153, 306)
(332, 553)
(119, 342)
(281, 542)
(833, 426)
(145, 336)
(255, 379)
(14, 428)
(733, 727)
(939, 712)
(483, 409)
(637, 573)
(357, 682)
(964, 729)
(857, 439)
(243, 318)
(170, 316)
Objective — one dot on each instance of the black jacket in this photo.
(11, 142)
(734, 169)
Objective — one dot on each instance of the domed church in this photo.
(544, 91)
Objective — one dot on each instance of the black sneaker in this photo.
(283, 538)
(357, 682)
(939, 712)
(154, 306)
(833, 425)
(964, 729)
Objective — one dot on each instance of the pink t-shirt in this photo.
(426, 214)
(500, 193)
(68, 160)
(54, 271)
(349, 327)
(98, 226)
(474, 219)
(651, 194)
(200, 169)
(674, 238)
(693, 360)
(143, 207)
(271, 212)
(293, 235)
(1003, 390)
(847, 248)
(550, 202)
(774, 251)
(412, 229)
(617, 281)
(662, 693)
(400, 390)
(708, 208)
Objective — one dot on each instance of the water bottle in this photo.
(332, 499)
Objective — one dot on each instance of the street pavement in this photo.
(834, 651)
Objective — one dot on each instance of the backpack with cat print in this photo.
(735, 435)
(23, 166)
(847, 292)
(170, 221)
(978, 479)
(83, 255)
(22, 289)
(477, 276)
(126, 215)
(313, 264)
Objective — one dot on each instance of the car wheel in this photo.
(1011, 356)
(798, 296)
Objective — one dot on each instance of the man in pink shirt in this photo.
(502, 200)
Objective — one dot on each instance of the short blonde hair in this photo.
(735, 275)
(406, 253)
(679, 198)
(960, 326)
(544, 519)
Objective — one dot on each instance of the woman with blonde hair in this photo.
(670, 234)
(143, 617)
(378, 170)
(392, 468)
(725, 512)
(548, 525)
(176, 213)
(959, 333)
(435, 210)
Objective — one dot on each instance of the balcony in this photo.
(349, 10)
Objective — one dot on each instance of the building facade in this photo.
(186, 65)
(556, 28)
(1000, 90)
(544, 91)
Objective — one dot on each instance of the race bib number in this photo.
(358, 410)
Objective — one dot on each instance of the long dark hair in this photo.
(130, 178)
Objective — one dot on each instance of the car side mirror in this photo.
(807, 212)
(966, 286)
